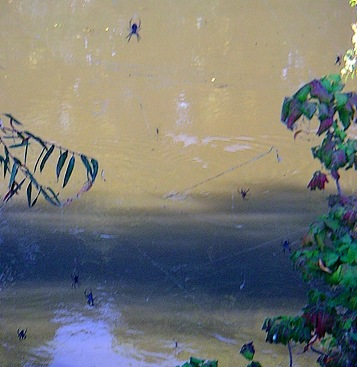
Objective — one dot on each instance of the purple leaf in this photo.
(319, 92)
(325, 125)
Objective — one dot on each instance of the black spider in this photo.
(90, 298)
(244, 193)
(134, 30)
(21, 334)
(75, 280)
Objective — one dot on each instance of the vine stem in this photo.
(290, 355)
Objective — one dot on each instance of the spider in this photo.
(89, 296)
(244, 193)
(134, 30)
(21, 334)
(75, 280)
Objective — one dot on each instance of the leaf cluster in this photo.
(17, 146)
(197, 362)
(323, 98)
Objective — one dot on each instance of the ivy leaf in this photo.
(303, 92)
(325, 125)
(339, 159)
(247, 351)
(319, 91)
(291, 112)
(330, 259)
(69, 171)
(308, 109)
(61, 161)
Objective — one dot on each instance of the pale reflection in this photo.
(183, 110)
(295, 61)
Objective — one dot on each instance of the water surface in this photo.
(179, 122)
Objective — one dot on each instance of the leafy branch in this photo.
(335, 111)
(25, 156)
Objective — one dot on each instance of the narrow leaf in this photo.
(87, 165)
(29, 191)
(13, 174)
(24, 143)
(12, 119)
(95, 168)
(61, 161)
(38, 159)
(45, 158)
(54, 197)
(69, 171)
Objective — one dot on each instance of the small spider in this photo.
(134, 30)
(21, 334)
(286, 247)
(89, 296)
(243, 193)
(75, 280)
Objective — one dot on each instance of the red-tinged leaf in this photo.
(318, 181)
(325, 125)
(318, 91)
(294, 114)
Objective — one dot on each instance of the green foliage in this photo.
(196, 362)
(323, 98)
(24, 158)
(327, 257)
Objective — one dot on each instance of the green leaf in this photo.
(60, 163)
(87, 165)
(308, 109)
(95, 168)
(14, 171)
(303, 92)
(69, 171)
(29, 191)
(341, 99)
(247, 351)
(330, 258)
(45, 158)
(38, 159)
